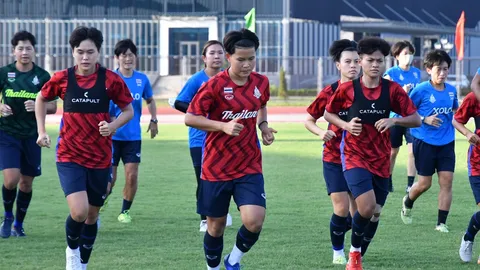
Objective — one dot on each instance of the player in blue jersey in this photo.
(213, 56)
(127, 141)
(434, 141)
(408, 77)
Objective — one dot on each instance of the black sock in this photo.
(8, 200)
(87, 239)
(203, 217)
(411, 179)
(442, 217)
(246, 239)
(409, 202)
(358, 227)
(213, 247)
(73, 230)
(370, 231)
(126, 205)
(473, 227)
(349, 222)
(338, 226)
(23, 201)
(390, 183)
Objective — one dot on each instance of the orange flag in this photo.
(460, 36)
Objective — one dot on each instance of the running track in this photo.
(169, 115)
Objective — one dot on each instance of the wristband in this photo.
(154, 121)
(262, 123)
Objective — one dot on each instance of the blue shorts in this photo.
(23, 154)
(360, 181)
(396, 136)
(128, 151)
(430, 158)
(333, 174)
(214, 197)
(475, 185)
(76, 178)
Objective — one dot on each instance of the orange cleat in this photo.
(354, 261)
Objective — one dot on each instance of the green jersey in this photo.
(16, 88)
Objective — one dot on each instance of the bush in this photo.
(282, 88)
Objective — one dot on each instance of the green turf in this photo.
(164, 233)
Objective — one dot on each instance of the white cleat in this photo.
(442, 228)
(203, 226)
(73, 259)
(466, 250)
(84, 266)
(406, 213)
(339, 259)
(229, 220)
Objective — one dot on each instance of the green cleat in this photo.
(125, 217)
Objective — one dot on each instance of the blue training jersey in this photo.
(140, 88)
(195, 137)
(402, 77)
(430, 101)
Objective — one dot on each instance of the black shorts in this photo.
(128, 151)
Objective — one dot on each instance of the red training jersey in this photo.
(371, 149)
(80, 141)
(228, 157)
(469, 108)
(331, 149)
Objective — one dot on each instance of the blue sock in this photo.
(126, 205)
(73, 230)
(338, 226)
(23, 201)
(213, 247)
(358, 227)
(473, 227)
(8, 200)
(370, 231)
(246, 239)
(87, 239)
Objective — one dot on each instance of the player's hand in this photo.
(43, 140)
(153, 129)
(327, 135)
(233, 128)
(433, 120)
(29, 105)
(268, 135)
(384, 124)
(5, 110)
(473, 138)
(354, 126)
(105, 129)
(407, 87)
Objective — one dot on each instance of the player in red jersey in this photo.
(365, 143)
(228, 107)
(470, 108)
(84, 149)
(344, 54)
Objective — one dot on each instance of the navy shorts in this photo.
(214, 197)
(430, 158)
(23, 154)
(360, 181)
(396, 136)
(475, 184)
(128, 151)
(334, 178)
(196, 154)
(76, 178)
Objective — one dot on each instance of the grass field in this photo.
(164, 233)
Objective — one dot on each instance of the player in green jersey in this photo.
(20, 155)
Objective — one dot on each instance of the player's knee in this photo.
(25, 186)
(11, 182)
(341, 209)
(446, 185)
(424, 186)
(367, 210)
(216, 227)
(79, 214)
(254, 226)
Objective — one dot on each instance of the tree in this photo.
(282, 88)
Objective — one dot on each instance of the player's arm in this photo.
(186, 95)
(337, 103)
(267, 132)
(49, 92)
(51, 107)
(475, 85)
(152, 109)
(315, 111)
(125, 116)
(404, 106)
(181, 106)
(461, 117)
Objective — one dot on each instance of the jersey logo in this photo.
(11, 76)
(452, 95)
(228, 93)
(415, 74)
(256, 93)
(85, 94)
(245, 114)
(35, 81)
(401, 77)
(432, 99)
(373, 105)
(139, 82)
